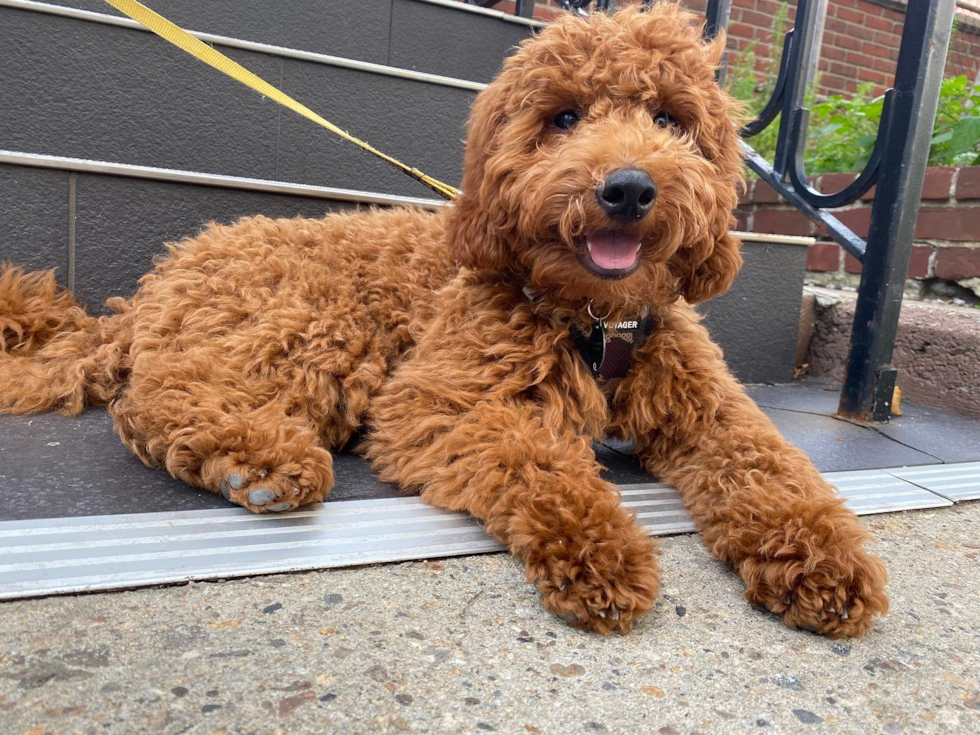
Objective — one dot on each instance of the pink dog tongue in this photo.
(612, 250)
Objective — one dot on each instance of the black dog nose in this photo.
(627, 195)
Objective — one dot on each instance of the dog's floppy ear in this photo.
(714, 50)
(477, 225)
(707, 268)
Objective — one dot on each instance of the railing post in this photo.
(870, 377)
(524, 8)
(717, 14)
(809, 15)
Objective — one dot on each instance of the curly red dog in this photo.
(602, 166)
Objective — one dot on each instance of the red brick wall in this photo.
(947, 234)
(860, 44)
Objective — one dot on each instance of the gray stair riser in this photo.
(756, 323)
(34, 219)
(421, 124)
(456, 43)
(403, 33)
(121, 223)
(354, 30)
(94, 91)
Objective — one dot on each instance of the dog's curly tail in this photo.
(52, 353)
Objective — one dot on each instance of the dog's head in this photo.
(603, 163)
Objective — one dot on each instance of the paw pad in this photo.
(260, 496)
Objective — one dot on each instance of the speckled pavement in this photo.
(463, 646)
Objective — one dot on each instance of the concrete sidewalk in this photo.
(464, 646)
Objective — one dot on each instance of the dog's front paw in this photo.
(833, 590)
(598, 581)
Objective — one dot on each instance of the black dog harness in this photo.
(608, 348)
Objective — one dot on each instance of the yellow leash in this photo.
(201, 51)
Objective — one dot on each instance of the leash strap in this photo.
(217, 60)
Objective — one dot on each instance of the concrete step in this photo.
(101, 224)
(82, 87)
(936, 345)
(437, 36)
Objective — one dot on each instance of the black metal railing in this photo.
(897, 167)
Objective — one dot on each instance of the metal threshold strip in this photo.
(69, 555)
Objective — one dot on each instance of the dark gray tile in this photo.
(34, 218)
(53, 466)
(355, 480)
(817, 395)
(420, 124)
(946, 436)
(619, 466)
(114, 94)
(921, 436)
(454, 43)
(838, 445)
(803, 413)
(756, 322)
(353, 30)
(122, 223)
(831, 445)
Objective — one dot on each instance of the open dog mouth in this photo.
(610, 253)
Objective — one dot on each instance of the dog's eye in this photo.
(665, 119)
(566, 119)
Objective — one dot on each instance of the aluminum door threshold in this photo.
(70, 555)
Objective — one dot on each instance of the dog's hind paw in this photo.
(266, 494)
(276, 491)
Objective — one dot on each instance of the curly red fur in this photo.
(255, 349)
